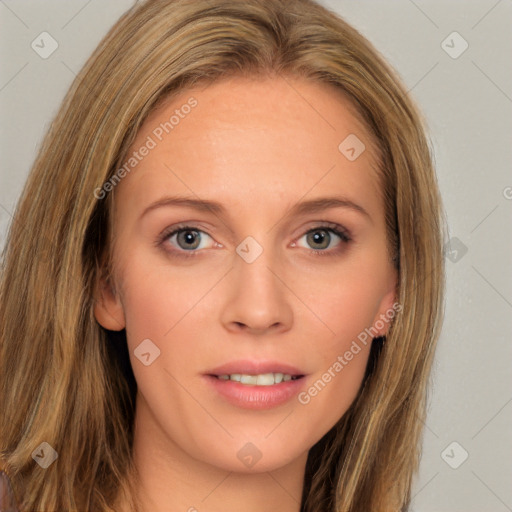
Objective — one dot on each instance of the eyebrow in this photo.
(300, 208)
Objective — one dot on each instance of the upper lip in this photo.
(254, 367)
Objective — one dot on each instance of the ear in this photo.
(388, 308)
(108, 309)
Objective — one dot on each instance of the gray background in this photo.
(468, 104)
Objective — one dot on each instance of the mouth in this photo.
(256, 385)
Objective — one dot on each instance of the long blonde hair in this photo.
(67, 381)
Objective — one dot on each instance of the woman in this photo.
(223, 285)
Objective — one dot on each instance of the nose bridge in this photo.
(258, 299)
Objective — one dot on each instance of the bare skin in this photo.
(258, 148)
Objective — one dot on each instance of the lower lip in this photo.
(256, 397)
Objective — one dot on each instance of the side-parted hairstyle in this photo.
(66, 381)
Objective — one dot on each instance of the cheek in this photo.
(158, 300)
(170, 307)
(331, 390)
(346, 304)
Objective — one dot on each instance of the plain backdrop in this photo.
(463, 84)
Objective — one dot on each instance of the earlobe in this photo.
(108, 309)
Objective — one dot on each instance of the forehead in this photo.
(253, 138)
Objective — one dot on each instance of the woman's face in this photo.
(282, 275)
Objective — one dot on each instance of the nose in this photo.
(258, 299)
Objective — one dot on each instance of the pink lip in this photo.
(254, 368)
(255, 397)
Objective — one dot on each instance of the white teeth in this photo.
(263, 379)
(249, 379)
(266, 379)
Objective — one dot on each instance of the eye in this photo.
(326, 239)
(185, 239)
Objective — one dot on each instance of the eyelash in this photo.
(338, 230)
